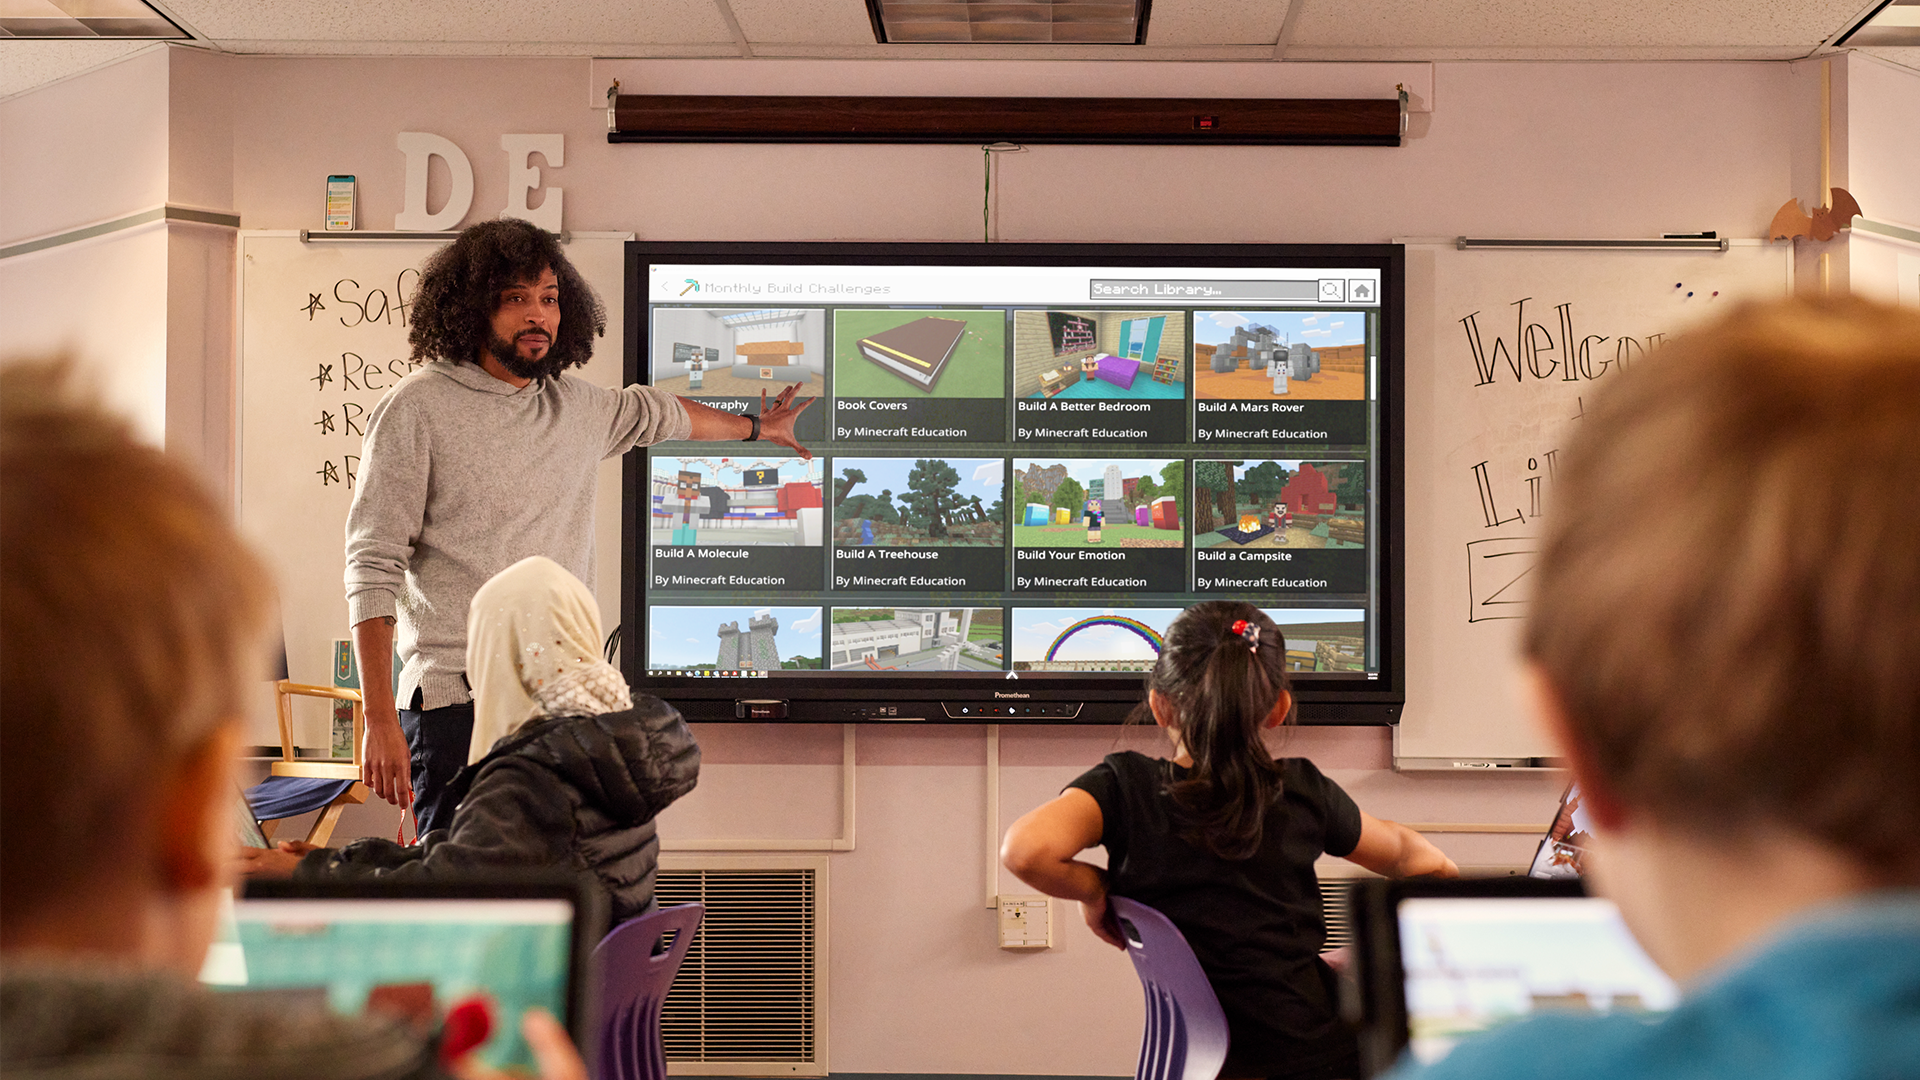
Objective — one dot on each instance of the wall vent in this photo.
(1333, 905)
(750, 999)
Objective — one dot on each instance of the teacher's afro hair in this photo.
(460, 288)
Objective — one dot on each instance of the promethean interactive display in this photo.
(1027, 460)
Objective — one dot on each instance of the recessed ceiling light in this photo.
(999, 22)
(85, 19)
(1896, 23)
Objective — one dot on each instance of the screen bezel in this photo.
(589, 917)
(1100, 699)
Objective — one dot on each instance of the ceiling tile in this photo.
(1906, 57)
(27, 64)
(1554, 24)
(804, 22)
(586, 23)
(1226, 22)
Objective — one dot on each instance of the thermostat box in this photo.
(1026, 922)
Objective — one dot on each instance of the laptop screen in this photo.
(1471, 964)
(411, 956)
(1439, 961)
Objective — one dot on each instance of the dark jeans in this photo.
(438, 739)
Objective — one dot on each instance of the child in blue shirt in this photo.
(1725, 641)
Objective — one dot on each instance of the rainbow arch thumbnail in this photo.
(1145, 632)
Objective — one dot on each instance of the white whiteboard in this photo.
(1489, 400)
(323, 336)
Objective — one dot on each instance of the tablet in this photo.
(246, 827)
(416, 948)
(1438, 961)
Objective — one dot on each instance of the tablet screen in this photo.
(1475, 963)
(413, 956)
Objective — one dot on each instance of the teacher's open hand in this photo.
(776, 421)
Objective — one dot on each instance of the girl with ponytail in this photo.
(1222, 838)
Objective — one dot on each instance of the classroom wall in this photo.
(916, 985)
(85, 149)
(82, 152)
(1883, 162)
(147, 310)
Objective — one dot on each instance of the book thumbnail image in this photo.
(757, 501)
(1323, 639)
(1279, 504)
(733, 639)
(1099, 502)
(1280, 355)
(1133, 355)
(917, 639)
(940, 353)
(1089, 639)
(919, 502)
(739, 352)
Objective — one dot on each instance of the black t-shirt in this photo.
(1255, 924)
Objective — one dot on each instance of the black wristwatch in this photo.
(755, 436)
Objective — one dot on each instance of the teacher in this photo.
(485, 455)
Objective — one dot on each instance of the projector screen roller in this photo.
(1026, 461)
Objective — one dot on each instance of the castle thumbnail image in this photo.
(1099, 502)
(919, 502)
(760, 501)
(1089, 639)
(739, 352)
(737, 638)
(1280, 355)
(1323, 639)
(1133, 355)
(934, 353)
(917, 639)
(1288, 504)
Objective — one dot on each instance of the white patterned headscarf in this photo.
(533, 649)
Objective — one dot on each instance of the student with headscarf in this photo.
(565, 768)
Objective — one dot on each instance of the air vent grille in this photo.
(746, 992)
(1333, 905)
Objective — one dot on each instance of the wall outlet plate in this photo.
(1026, 921)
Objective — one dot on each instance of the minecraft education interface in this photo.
(1016, 469)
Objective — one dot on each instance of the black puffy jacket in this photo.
(576, 791)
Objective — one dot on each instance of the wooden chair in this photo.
(296, 785)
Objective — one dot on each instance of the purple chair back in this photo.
(633, 984)
(1186, 1033)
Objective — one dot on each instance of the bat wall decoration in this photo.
(1791, 221)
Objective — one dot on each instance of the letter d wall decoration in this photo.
(523, 178)
(419, 146)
